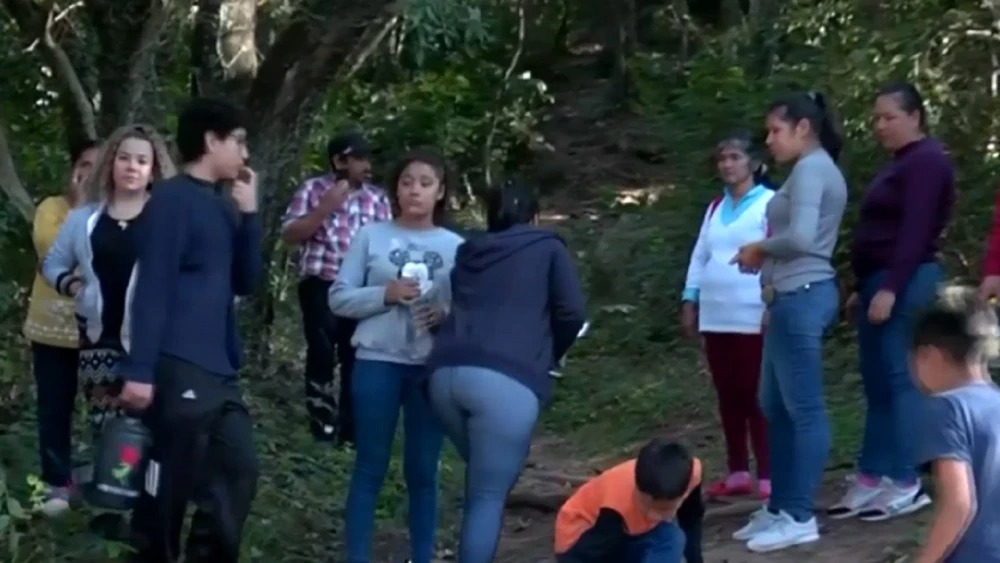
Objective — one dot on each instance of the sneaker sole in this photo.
(918, 503)
(845, 515)
(811, 538)
(747, 536)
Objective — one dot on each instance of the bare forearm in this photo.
(949, 523)
(303, 228)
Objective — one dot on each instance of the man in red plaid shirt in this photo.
(322, 218)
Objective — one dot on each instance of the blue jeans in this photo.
(379, 390)
(791, 395)
(894, 402)
(662, 544)
(490, 418)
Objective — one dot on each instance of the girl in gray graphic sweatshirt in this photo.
(395, 281)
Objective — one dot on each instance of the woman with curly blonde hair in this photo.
(93, 258)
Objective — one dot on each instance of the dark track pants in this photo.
(204, 453)
(328, 343)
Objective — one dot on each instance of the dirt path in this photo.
(528, 534)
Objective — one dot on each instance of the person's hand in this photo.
(334, 196)
(245, 190)
(689, 319)
(136, 396)
(427, 316)
(750, 258)
(76, 186)
(989, 288)
(852, 307)
(401, 290)
(881, 306)
(74, 287)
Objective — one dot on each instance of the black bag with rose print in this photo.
(120, 462)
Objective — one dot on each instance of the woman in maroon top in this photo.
(894, 258)
(989, 288)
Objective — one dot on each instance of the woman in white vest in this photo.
(725, 307)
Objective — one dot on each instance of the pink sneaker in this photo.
(764, 489)
(733, 486)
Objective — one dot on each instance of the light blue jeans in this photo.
(490, 418)
(380, 390)
(791, 395)
(894, 402)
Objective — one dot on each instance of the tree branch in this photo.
(128, 32)
(38, 22)
(142, 63)
(369, 43)
(308, 53)
(515, 60)
(237, 44)
(206, 72)
(10, 182)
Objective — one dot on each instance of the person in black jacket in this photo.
(517, 307)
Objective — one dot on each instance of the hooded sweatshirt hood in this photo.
(481, 253)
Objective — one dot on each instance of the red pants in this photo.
(734, 360)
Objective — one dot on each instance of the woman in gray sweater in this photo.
(395, 282)
(799, 286)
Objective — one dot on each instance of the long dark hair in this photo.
(435, 160)
(512, 203)
(814, 108)
(743, 140)
(78, 147)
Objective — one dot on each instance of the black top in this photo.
(113, 244)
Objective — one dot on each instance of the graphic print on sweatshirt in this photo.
(415, 261)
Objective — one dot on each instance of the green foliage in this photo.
(445, 88)
(833, 47)
(441, 80)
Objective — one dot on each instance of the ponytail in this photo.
(814, 108)
(828, 131)
(761, 177)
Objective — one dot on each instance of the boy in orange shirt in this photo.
(645, 510)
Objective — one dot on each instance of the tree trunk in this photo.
(622, 44)
(764, 40)
(323, 42)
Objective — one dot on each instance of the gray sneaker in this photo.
(856, 500)
(895, 501)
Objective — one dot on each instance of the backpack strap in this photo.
(714, 205)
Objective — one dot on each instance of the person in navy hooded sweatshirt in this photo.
(517, 307)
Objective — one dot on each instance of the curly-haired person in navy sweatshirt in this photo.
(198, 248)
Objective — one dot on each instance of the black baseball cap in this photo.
(348, 144)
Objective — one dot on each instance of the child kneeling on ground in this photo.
(645, 510)
(961, 441)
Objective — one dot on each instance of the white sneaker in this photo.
(895, 501)
(760, 520)
(56, 502)
(784, 532)
(857, 498)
